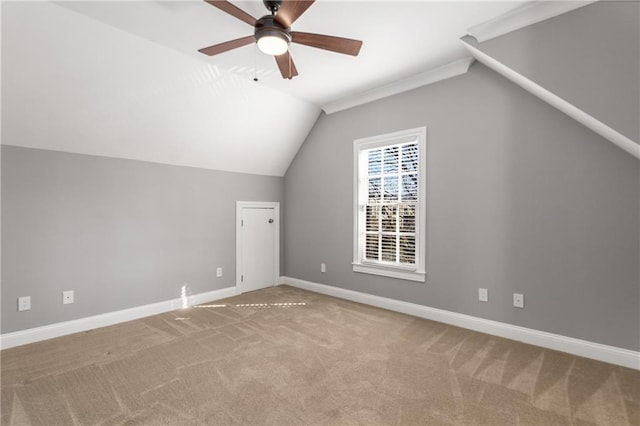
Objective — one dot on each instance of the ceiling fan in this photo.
(273, 33)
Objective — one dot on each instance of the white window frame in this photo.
(414, 272)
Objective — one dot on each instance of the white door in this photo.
(258, 262)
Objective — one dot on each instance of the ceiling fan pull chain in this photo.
(255, 64)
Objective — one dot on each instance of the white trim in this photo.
(577, 114)
(443, 72)
(240, 205)
(416, 273)
(23, 337)
(584, 348)
(522, 17)
(389, 272)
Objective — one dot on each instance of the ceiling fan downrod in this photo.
(272, 5)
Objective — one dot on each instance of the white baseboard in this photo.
(584, 348)
(23, 337)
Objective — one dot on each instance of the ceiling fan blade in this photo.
(335, 44)
(291, 10)
(227, 45)
(286, 65)
(232, 10)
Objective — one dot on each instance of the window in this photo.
(389, 216)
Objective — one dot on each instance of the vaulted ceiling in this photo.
(124, 79)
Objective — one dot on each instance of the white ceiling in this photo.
(124, 79)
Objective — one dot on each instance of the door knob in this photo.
(270, 220)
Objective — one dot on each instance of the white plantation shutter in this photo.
(389, 176)
(390, 206)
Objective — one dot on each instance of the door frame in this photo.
(240, 206)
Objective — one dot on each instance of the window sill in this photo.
(390, 272)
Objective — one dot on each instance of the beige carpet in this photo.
(285, 356)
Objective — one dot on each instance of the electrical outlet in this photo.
(323, 267)
(24, 303)
(218, 272)
(483, 295)
(67, 297)
(518, 300)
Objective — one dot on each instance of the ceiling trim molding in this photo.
(524, 16)
(571, 110)
(443, 72)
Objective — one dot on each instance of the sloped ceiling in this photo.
(124, 79)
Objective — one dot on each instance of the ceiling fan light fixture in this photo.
(273, 43)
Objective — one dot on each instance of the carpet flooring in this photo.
(285, 356)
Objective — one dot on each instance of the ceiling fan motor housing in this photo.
(268, 26)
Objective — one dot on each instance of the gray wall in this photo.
(521, 198)
(121, 233)
(590, 57)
